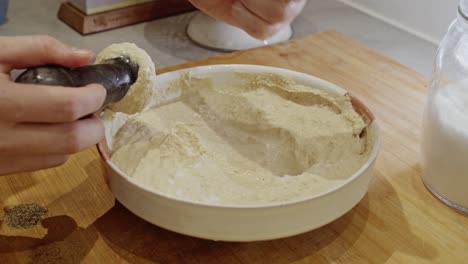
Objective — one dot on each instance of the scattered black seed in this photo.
(24, 216)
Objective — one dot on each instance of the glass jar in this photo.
(445, 125)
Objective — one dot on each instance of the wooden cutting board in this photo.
(398, 221)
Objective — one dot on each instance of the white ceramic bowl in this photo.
(245, 223)
(215, 34)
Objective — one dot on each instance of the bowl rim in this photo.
(360, 107)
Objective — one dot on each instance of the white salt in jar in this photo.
(445, 129)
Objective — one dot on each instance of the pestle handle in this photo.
(115, 75)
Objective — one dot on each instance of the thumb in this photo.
(27, 51)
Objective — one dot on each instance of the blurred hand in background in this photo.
(259, 18)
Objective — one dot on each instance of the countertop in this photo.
(165, 39)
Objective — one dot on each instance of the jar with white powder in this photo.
(445, 126)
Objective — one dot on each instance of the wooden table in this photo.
(398, 221)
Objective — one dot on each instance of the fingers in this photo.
(13, 164)
(39, 126)
(235, 13)
(275, 12)
(27, 51)
(52, 139)
(48, 104)
(251, 23)
(220, 9)
(259, 18)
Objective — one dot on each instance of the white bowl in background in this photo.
(218, 35)
(244, 223)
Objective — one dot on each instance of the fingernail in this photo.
(82, 52)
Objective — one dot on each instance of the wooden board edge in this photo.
(331, 34)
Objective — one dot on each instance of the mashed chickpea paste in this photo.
(266, 139)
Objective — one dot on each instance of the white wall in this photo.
(428, 19)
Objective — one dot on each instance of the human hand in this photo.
(259, 18)
(40, 125)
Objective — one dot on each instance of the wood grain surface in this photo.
(398, 221)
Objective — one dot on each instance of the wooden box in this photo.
(85, 19)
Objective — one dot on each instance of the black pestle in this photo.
(116, 75)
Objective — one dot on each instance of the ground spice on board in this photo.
(25, 216)
(63, 252)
